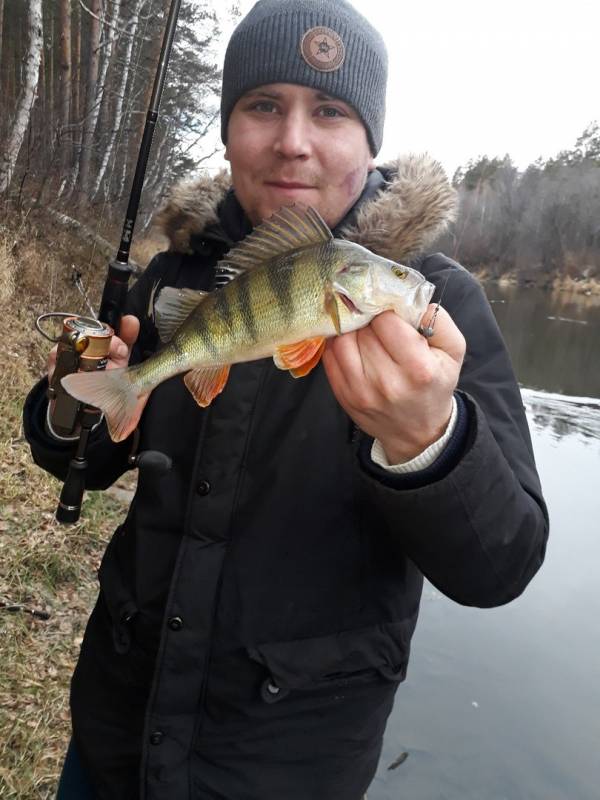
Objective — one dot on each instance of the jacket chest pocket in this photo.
(339, 661)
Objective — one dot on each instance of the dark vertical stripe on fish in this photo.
(246, 310)
(223, 308)
(280, 283)
(203, 330)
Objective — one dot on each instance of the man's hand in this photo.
(396, 385)
(120, 348)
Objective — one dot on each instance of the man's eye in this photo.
(264, 106)
(331, 112)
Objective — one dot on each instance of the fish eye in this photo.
(399, 272)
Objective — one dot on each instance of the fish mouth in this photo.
(350, 305)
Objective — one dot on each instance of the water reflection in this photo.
(553, 339)
(564, 416)
(502, 704)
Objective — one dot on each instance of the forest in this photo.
(539, 224)
(75, 80)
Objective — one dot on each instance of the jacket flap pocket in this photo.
(302, 663)
(116, 595)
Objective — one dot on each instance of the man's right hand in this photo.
(120, 346)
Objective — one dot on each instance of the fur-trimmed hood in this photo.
(399, 221)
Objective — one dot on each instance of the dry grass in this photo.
(42, 565)
(8, 267)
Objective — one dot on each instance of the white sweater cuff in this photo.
(424, 459)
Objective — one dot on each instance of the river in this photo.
(504, 704)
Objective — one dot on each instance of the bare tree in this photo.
(76, 81)
(65, 78)
(109, 31)
(120, 94)
(85, 158)
(27, 96)
(1, 25)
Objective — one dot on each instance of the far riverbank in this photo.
(588, 287)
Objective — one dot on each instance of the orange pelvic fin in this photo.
(206, 384)
(301, 357)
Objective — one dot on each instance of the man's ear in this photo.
(371, 164)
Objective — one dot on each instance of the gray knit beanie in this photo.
(323, 44)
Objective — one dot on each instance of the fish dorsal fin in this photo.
(290, 228)
(173, 307)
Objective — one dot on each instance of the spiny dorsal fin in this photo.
(173, 307)
(290, 228)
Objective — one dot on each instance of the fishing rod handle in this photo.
(114, 294)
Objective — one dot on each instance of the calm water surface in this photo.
(504, 704)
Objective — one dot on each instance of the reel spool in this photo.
(83, 346)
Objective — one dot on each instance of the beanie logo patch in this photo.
(322, 49)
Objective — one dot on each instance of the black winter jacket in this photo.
(257, 604)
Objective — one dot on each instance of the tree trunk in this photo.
(1, 26)
(108, 37)
(85, 159)
(120, 94)
(50, 111)
(76, 77)
(65, 81)
(27, 97)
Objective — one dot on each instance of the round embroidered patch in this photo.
(322, 49)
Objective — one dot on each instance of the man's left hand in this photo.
(394, 383)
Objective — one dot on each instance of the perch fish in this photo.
(294, 286)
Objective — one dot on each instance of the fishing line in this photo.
(78, 283)
(428, 330)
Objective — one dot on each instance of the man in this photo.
(257, 604)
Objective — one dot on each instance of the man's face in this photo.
(288, 143)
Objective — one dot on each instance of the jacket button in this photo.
(175, 623)
(203, 487)
(156, 737)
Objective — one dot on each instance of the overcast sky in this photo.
(474, 77)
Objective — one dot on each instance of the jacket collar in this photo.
(403, 208)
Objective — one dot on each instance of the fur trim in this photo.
(404, 220)
(189, 207)
(399, 223)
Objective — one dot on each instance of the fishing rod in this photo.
(85, 342)
(119, 271)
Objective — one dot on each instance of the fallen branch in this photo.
(105, 247)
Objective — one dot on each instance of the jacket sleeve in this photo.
(106, 460)
(479, 531)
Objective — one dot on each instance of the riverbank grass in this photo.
(43, 565)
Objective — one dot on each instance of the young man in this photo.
(257, 604)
